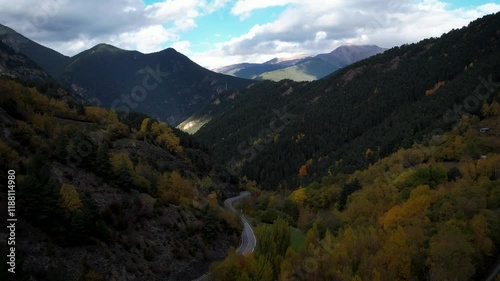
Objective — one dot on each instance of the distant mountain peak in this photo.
(286, 59)
(104, 47)
(348, 54)
(302, 67)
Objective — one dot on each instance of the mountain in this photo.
(165, 85)
(348, 54)
(302, 67)
(289, 61)
(307, 70)
(48, 59)
(357, 115)
(249, 70)
(313, 68)
(16, 65)
(252, 70)
(101, 195)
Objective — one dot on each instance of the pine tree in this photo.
(102, 164)
(39, 199)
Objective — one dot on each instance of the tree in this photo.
(229, 269)
(172, 188)
(123, 169)
(118, 130)
(70, 200)
(303, 171)
(96, 114)
(8, 156)
(431, 176)
(102, 164)
(272, 243)
(39, 199)
(348, 189)
(299, 196)
(145, 127)
(396, 257)
(451, 253)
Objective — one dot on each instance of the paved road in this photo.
(247, 240)
(494, 274)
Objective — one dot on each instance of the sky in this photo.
(214, 33)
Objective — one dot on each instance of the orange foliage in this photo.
(303, 171)
(436, 87)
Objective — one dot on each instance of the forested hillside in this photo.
(429, 212)
(104, 195)
(357, 115)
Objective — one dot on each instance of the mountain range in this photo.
(302, 67)
(373, 107)
(166, 85)
(386, 169)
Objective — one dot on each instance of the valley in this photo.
(363, 163)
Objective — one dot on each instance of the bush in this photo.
(431, 176)
(454, 173)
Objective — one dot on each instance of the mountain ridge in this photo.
(105, 75)
(302, 67)
(379, 104)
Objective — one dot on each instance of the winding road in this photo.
(248, 241)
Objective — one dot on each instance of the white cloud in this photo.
(146, 40)
(73, 26)
(243, 8)
(310, 27)
(318, 26)
(182, 47)
(171, 10)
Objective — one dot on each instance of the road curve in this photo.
(248, 241)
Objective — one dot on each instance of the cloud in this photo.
(182, 47)
(243, 8)
(318, 26)
(171, 10)
(310, 27)
(73, 26)
(147, 40)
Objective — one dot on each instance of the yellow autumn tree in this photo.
(144, 128)
(299, 196)
(212, 201)
(173, 188)
(395, 256)
(70, 200)
(170, 141)
(166, 137)
(96, 114)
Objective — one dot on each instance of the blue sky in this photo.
(214, 33)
